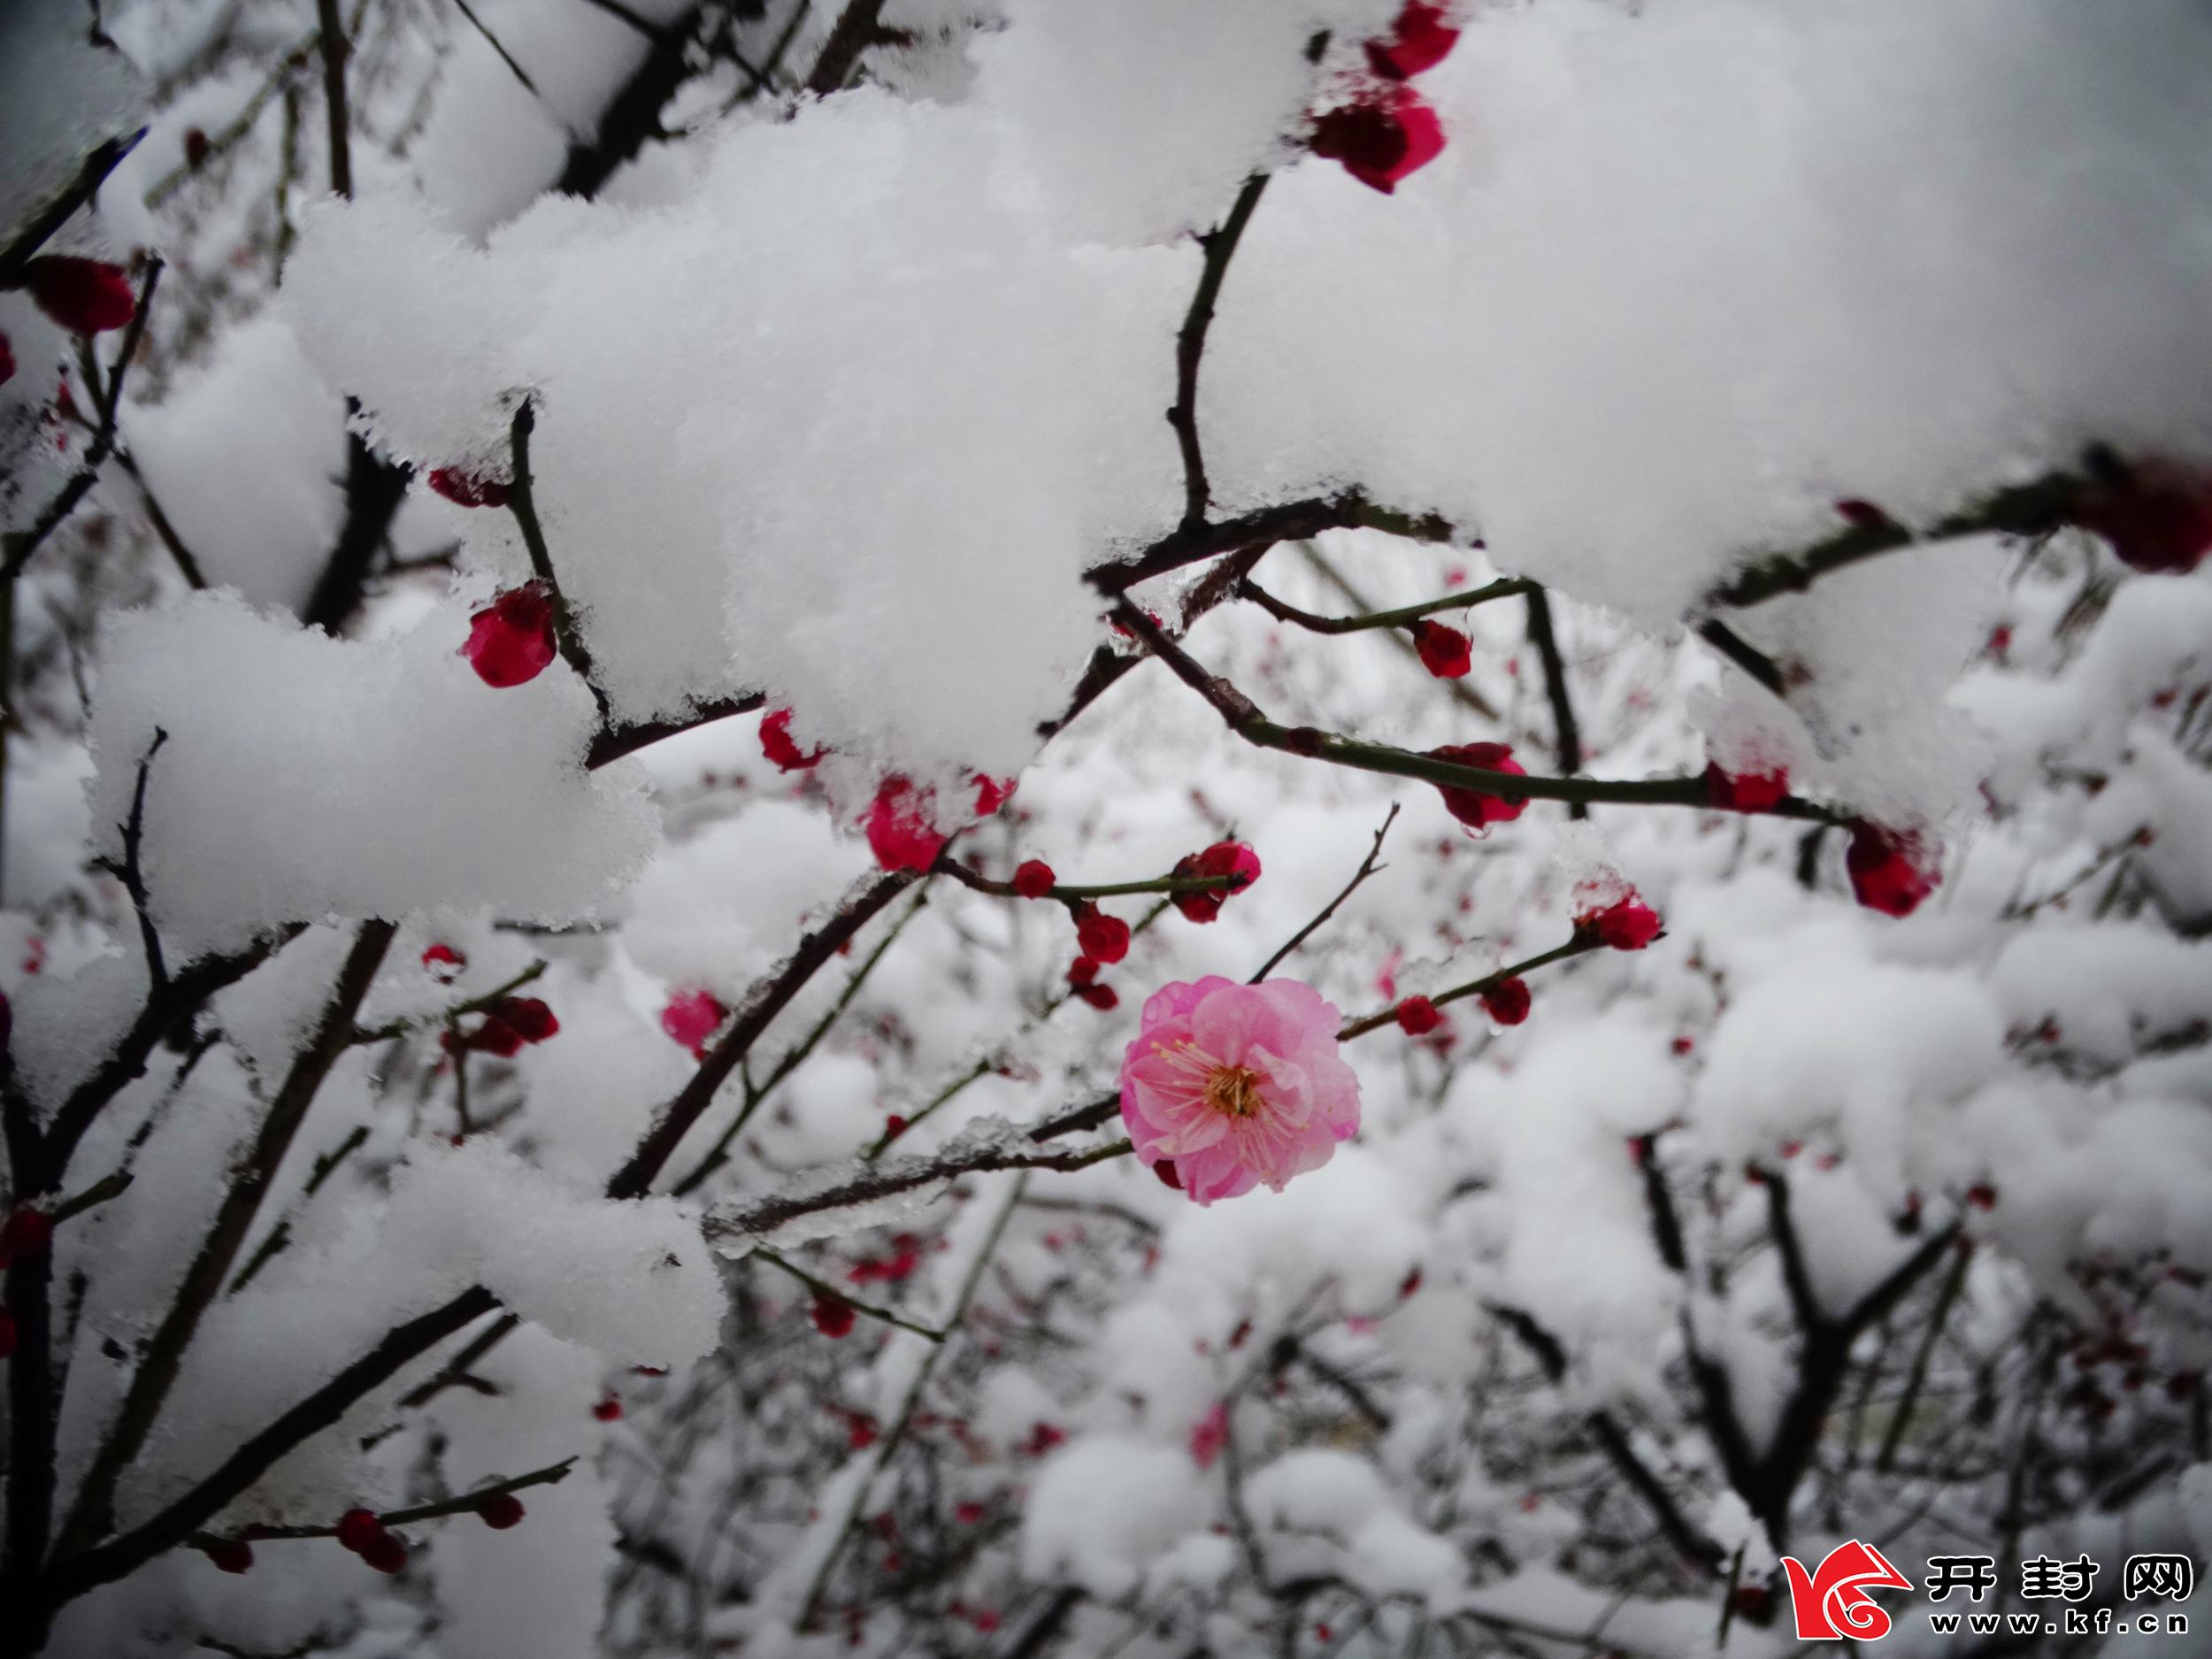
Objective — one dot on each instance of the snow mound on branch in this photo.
(1824, 1040)
(1103, 1508)
(60, 97)
(887, 415)
(719, 911)
(1337, 1517)
(304, 776)
(1141, 118)
(1663, 298)
(632, 1280)
(246, 458)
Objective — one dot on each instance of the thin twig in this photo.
(1459, 690)
(331, 37)
(23, 543)
(210, 1266)
(1404, 616)
(1220, 246)
(1243, 717)
(505, 57)
(1368, 867)
(822, 1287)
(1567, 736)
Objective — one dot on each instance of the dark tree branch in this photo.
(1220, 246)
(1243, 717)
(505, 57)
(332, 39)
(24, 240)
(204, 1279)
(2033, 509)
(187, 992)
(1459, 690)
(1368, 867)
(466, 1504)
(132, 871)
(854, 32)
(768, 998)
(612, 743)
(893, 1176)
(123, 1556)
(374, 489)
(1404, 616)
(1802, 1301)
(522, 500)
(23, 543)
(1292, 521)
(1694, 1546)
(1567, 737)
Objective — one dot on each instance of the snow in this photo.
(716, 912)
(62, 97)
(383, 777)
(1715, 332)
(1103, 1508)
(633, 1281)
(247, 460)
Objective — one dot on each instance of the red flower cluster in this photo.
(1747, 791)
(991, 794)
(1507, 1001)
(1445, 652)
(470, 489)
(1083, 977)
(1890, 869)
(1626, 924)
(1417, 1016)
(511, 640)
(443, 963)
(86, 296)
(1386, 134)
(1470, 808)
(1033, 878)
(832, 1316)
(1103, 938)
(898, 825)
(2157, 517)
(509, 1024)
(1386, 131)
(905, 1257)
(28, 1231)
(367, 1537)
(1421, 39)
(776, 744)
(1223, 858)
(692, 1016)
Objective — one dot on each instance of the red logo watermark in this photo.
(1834, 1602)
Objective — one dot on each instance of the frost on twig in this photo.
(845, 1198)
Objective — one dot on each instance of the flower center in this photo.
(1235, 1090)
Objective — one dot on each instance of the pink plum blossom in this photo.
(1234, 1085)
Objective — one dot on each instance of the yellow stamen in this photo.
(1235, 1090)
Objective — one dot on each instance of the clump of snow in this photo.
(60, 97)
(632, 1280)
(1141, 119)
(1634, 324)
(1860, 1050)
(247, 457)
(1103, 1508)
(716, 912)
(304, 775)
